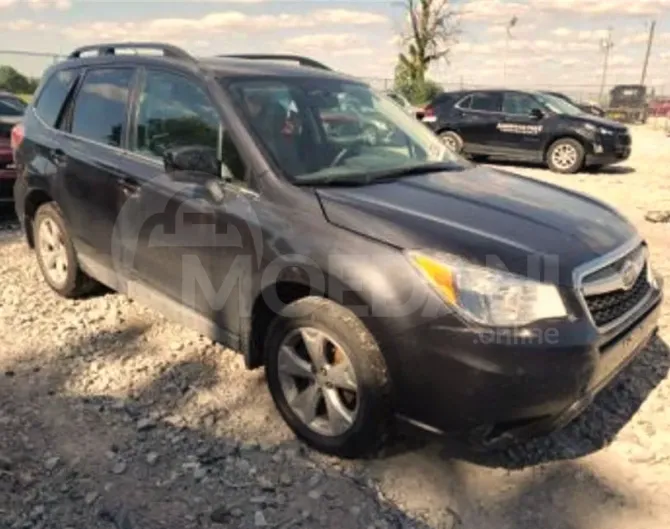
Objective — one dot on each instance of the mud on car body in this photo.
(527, 126)
(374, 280)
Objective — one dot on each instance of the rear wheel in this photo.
(327, 377)
(452, 140)
(565, 156)
(56, 256)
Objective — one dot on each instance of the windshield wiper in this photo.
(414, 170)
(366, 178)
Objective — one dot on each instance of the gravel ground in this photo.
(113, 417)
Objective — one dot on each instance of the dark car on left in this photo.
(11, 112)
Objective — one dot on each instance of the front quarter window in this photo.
(329, 131)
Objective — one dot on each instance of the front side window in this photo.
(53, 95)
(517, 103)
(327, 130)
(486, 102)
(100, 107)
(175, 112)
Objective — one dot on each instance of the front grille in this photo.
(611, 292)
(610, 306)
(622, 141)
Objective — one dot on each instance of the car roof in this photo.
(230, 67)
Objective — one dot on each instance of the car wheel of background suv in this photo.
(56, 256)
(328, 378)
(565, 156)
(452, 140)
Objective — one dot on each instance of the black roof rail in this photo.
(110, 49)
(302, 61)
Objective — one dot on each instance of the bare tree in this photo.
(433, 30)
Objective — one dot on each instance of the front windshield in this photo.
(558, 105)
(330, 131)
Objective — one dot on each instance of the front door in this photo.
(178, 237)
(520, 133)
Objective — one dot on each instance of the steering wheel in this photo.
(345, 153)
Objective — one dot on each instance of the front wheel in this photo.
(565, 156)
(327, 377)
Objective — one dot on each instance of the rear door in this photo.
(90, 155)
(477, 116)
(520, 134)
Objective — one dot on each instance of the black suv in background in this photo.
(373, 279)
(526, 126)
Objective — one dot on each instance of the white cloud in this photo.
(562, 32)
(174, 28)
(336, 44)
(493, 11)
(45, 4)
(324, 41)
(620, 60)
(603, 7)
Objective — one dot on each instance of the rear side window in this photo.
(100, 108)
(486, 102)
(465, 103)
(53, 95)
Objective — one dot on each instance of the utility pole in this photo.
(606, 45)
(652, 27)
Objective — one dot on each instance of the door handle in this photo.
(129, 186)
(58, 156)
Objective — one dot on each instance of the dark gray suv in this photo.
(374, 278)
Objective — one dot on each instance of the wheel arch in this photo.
(34, 199)
(276, 295)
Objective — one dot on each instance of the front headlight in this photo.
(488, 296)
(606, 132)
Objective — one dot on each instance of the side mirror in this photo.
(536, 113)
(193, 159)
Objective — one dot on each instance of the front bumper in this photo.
(499, 388)
(607, 150)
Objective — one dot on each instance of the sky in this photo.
(554, 42)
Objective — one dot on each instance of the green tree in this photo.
(14, 81)
(433, 30)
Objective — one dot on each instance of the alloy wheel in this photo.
(53, 252)
(318, 381)
(451, 142)
(564, 156)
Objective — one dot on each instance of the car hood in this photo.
(484, 215)
(598, 122)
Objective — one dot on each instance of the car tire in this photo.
(565, 156)
(56, 256)
(327, 413)
(452, 140)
